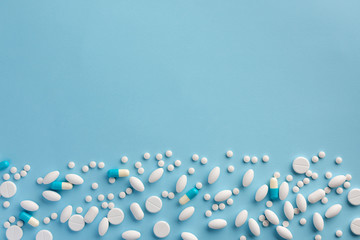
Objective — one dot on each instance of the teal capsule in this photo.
(274, 189)
(4, 164)
(27, 218)
(115, 173)
(188, 196)
(61, 185)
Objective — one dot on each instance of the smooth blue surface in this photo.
(97, 80)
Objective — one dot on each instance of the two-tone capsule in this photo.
(118, 173)
(27, 218)
(4, 164)
(61, 186)
(188, 196)
(274, 189)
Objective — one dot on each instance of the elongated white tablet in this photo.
(51, 195)
(136, 211)
(283, 190)
(254, 227)
(248, 178)
(289, 210)
(76, 223)
(103, 226)
(354, 197)
(261, 192)
(316, 196)
(8, 189)
(153, 204)
(217, 223)
(284, 232)
(222, 195)
(74, 179)
(51, 177)
(186, 213)
(66, 213)
(161, 229)
(14, 232)
(214, 175)
(29, 205)
(333, 211)
(337, 181)
(188, 236)
(131, 235)
(137, 184)
(156, 175)
(241, 218)
(301, 165)
(318, 221)
(181, 183)
(301, 202)
(115, 216)
(355, 226)
(91, 214)
(272, 217)
(44, 235)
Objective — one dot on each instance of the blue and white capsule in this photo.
(27, 218)
(274, 189)
(4, 164)
(188, 196)
(61, 185)
(115, 173)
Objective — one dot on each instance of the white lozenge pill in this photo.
(186, 213)
(76, 223)
(301, 202)
(161, 229)
(181, 183)
(283, 190)
(156, 175)
(74, 179)
(131, 235)
(51, 177)
(214, 175)
(271, 217)
(115, 216)
(153, 204)
(284, 232)
(137, 184)
(301, 165)
(254, 227)
(29, 205)
(217, 223)
(318, 221)
(66, 214)
(103, 226)
(248, 178)
(222, 195)
(354, 197)
(136, 211)
(51, 195)
(188, 236)
(333, 211)
(261, 193)
(289, 210)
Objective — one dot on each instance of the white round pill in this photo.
(285, 223)
(124, 159)
(161, 163)
(13, 170)
(14, 233)
(303, 221)
(23, 173)
(204, 160)
(315, 159)
(348, 177)
(338, 160)
(6, 204)
(300, 184)
(328, 175)
(265, 158)
(17, 176)
(170, 167)
(122, 195)
(230, 201)
(265, 223)
(158, 156)
(12, 219)
(6, 176)
(254, 159)
(296, 211)
(269, 204)
(146, 156)
(46, 220)
(208, 213)
(295, 189)
(129, 191)
(101, 165)
(27, 167)
(8, 189)
(191, 171)
(327, 190)
(161, 229)
(261, 217)
(171, 195)
(165, 194)
(347, 185)
(242, 237)
(308, 173)
(7, 224)
(318, 237)
(153, 204)
(236, 191)
(215, 207)
(246, 159)
(138, 165)
(355, 226)
(207, 197)
(141, 171)
(53, 216)
(339, 233)
(339, 190)
(230, 168)
(71, 165)
(110, 196)
(300, 165)
(79, 210)
(276, 175)
(199, 185)
(101, 197)
(20, 223)
(94, 186)
(324, 200)
(177, 163)
(168, 153)
(104, 205)
(321, 154)
(76, 222)
(85, 168)
(92, 164)
(289, 178)
(115, 216)
(111, 205)
(229, 154)
(222, 206)
(195, 157)
(112, 180)
(44, 235)
(306, 180)
(314, 176)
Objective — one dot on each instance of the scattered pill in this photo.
(79, 210)
(137, 184)
(165, 194)
(339, 233)
(338, 160)
(146, 156)
(347, 185)
(301, 202)
(171, 195)
(222, 206)
(14, 233)
(159, 156)
(101, 165)
(254, 227)
(44, 235)
(168, 153)
(46, 220)
(314, 176)
(284, 232)
(321, 154)
(241, 218)
(317, 237)
(355, 226)
(289, 210)
(333, 211)
(153, 204)
(339, 190)
(302, 221)
(203, 160)
(137, 211)
(308, 173)
(269, 204)
(271, 217)
(141, 171)
(27, 218)
(328, 175)
(289, 178)
(40, 180)
(29, 205)
(131, 235)
(6, 176)
(274, 189)
(229, 154)
(354, 197)
(138, 165)
(199, 185)
(215, 207)
(214, 175)
(191, 171)
(324, 200)
(170, 167)
(177, 163)
(246, 159)
(91, 214)
(53, 216)
(74, 179)
(122, 195)
(315, 159)
(51, 177)
(254, 159)
(51, 196)
(222, 195)
(296, 189)
(128, 191)
(85, 169)
(110, 196)
(306, 181)
(104, 205)
(300, 165)
(230, 168)
(94, 186)
(161, 229)
(318, 221)
(248, 178)
(103, 226)
(186, 213)
(124, 159)
(236, 191)
(348, 177)
(115, 216)
(283, 190)
(265, 158)
(217, 223)
(13, 170)
(261, 193)
(66, 214)
(208, 213)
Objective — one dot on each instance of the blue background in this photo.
(97, 80)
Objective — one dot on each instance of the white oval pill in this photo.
(354, 197)
(51, 177)
(301, 202)
(188, 236)
(66, 214)
(316, 196)
(131, 235)
(248, 178)
(289, 210)
(103, 226)
(115, 216)
(283, 190)
(161, 229)
(333, 211)
(301, 165)
(51, 195)
(272, 217)
(153, 204)
(254, 227)
(76, 223)
(74, 179)
(222, 195)
(241, 218)
(186, 213)
(318, 221)
(217, 223)
(137, 184)
(214, 175)
(29, 205)
(91, 214)
(337, 181)
(156, 175)
(8, 189)
(136, 211)
(44, 235)
(261, 193)
(181, 183)
(355, 226)
(14, 232)
(284, 232)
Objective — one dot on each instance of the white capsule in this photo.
(186, 213)
(51, 195)
(283, 190)
(131, 235)
(103, 226)
(137, 184)
(217, 223)
(214, 175)
(248, 178)
(301, 202)
(354, 197)
(337, 181)
(261, 192)
(156, 175)
(284, 232)
(333, 211)
(29, 205)
(66, 214)
(272, 217)
(91, 214)
(136, 211)
(51, 177)
(74, 179)
(181, 183)
(316, 196)
(289, 210)
(222, 195)
(301, 165)
(254, 227)
(188, 236)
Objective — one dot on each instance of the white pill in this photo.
(12, 219)
(208, 213)
(141, 171)
(161, 229)
(186, 213)
(355, 226)
(348, 177)
(302, 221)
(316, 196)
(17, 176)
(159, 156)
(46, 220)
(137, 184)
(204, 160)
(74, 179)
(321, 154)
(285, 223)
(254, 227)
(254, 159)
(315, 159)
(262, 218)
(104, 205)
(265, 158)
(111, 205)
(188, 236)
(171, 195)
(177, 163)
(347, 185)
(51, 177)
(85, 169)
(215, 207)
(51, 195)
(283, 190)
(168, 153)
(161, 163)
(284, 232)
(327, 190)
(289, 210)
(308, 173)
(131, 235)
(333, 211)
(103, 226)
(318, 237)
(76, 223)
(337, 181)
(71, 165)
(44, 235)
(339, 190)
(146, 156)
(230, 201)
(217, 223)
(94, 186)
(6, 176)
(300, 184)
(214, 175)
(156, 175)
(230, 168)
(338, 160)
(191, 171)
(306, 180)
(79, 210)
(222, 195)
(39, 180)
(207, 197)
(229, 154)
(261, 193)
(301, 165)
(13, 170)
(165, 194)
(248, 178)
(314, 175)
(66, 214)
(115, 216)
(122, 195)
(289, 178)
(112, 180)
(23, 173)
(6, 204)
(29, 205)
(14, 233)
(318, 221)
(136, 211)
(269, 204)
(88, 198)
(246, 159)
(328, 175)
(110, 196)
(170, 167)
(354, 197)
(295, 189)
(296, 211)
(138, 165)
(101, 197)
(7, 224)
(301, 202)
(195, 157)
(27, 167)
(265, 223)
(198, 185)
(324, 200)
(153, 204)
(101, 165)
(339, 233)
(236, 191)
(54, 216)
(181, 183)
(124, 159)
(272, 217)
(276, 174)
(222, 206)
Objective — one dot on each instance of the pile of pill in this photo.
(272, 190)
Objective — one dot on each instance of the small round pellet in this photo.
(112, 180)
(324, 200)
(318, 237)
(146, 156)
(101, 165)
(6, 176)
(328, 175)
(85, 168)
(315, 159)
(111, 205)
(296, 211)
(242, 237)
(141, 171)
(338, 233)
(203, 160)
(327, 190)
(300, 184)
(177, 163)
(12, 219)
(88, 198)
(230, 201)
(110, 196)
(7, 224)
(92, 164)
(285, 223)
(195, 157)
(302, 221)
(138, 165)
(265, 158)
(129, 191)
(191, 171)
(94, 186)
(262, 218)
(6, 204)
(168, 153)
(308, 173)
(39, 180)
(215, 207)
(165, 194)
(158, 156)
(289, 178)
(265, 223)
(104, 205)
(229, 154)
(321, 154)
(348, 177)
(27, 167)
(276, 175)
(46, 220)
(254, 159)
(236, 191)
(124, 159)
(208, 213)
(347, 185)
(20, 223)
(269, 204)
(161, 163)
(170, 167)
(338, 160)
(199, 185)
(314, 176)
(13, 170)
(339, 190)
(53, 216)
(101, 197)
(23, 173)
(306, 180)
(122, 195)
(79, 210)
(17, 176)
(171, 195)
(207, 197)
(222, 206)
(230, 168)
(246, 159)
(295, 189)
